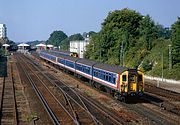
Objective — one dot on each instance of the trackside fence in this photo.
(162, 80)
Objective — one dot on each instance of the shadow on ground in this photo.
(3, 67)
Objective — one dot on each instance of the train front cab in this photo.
(131, 84)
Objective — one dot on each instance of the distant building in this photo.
(79, 47)
(3, 30)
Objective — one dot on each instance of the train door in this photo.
(124, 82)
(140, 82)
(132, 80)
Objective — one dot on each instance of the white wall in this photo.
(160, 79)
(2, 30)
(79, 47)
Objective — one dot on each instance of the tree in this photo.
(148, 31)
(176, 41)
(75, 37)
(56, 38)
(163, 32)
(65, 44)
(118, 29)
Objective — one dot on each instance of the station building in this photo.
(79, 47)
(3, 31)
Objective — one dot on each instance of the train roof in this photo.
(111, 68)
(62, 56)
(87, 62)
(70, 58)
(95, 64)
(61, 52)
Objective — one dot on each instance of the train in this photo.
(121, 82)
(66, 53)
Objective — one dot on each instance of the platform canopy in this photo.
(40, 45)
(49, 45)
(23, 44)
(5, 45)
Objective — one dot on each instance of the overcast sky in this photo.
(28, 20)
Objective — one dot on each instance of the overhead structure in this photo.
(23, 45)
(49, 46)
(41, 45)
(5, 45)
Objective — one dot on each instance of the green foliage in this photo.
(163, 32)
(176, 42)
(136, 41)
(56, 38)
(33, 43)
(146, 65)
(1, 52)
(115, 38)
(32, 117)
(148, 31)
(65, 44)
(75, 37)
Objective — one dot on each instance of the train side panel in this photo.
(106, 78)
(48, 57)
(123, 81)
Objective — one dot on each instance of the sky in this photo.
(29, 20)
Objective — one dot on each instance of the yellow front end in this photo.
(132, 83)
(124, 82)
(140, 82)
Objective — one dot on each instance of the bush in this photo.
(146, 65)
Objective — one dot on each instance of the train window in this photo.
(124, 78)
(114, 80)
(132, 78)
(110, 77)
(95, 73)
(107, 76)
(140, 78)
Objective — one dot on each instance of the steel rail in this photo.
(67, 96)
(51, 93)
(14, 98)
(85, 108)
(40, 96)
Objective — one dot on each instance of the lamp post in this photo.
(162, 67)
(170, 58)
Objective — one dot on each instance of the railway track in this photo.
(49, 101)
(96, 111)
(151, 114)
(65, 112)
(8, 108)
(149, 87)
(167, 104)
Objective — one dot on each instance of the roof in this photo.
(60, 52)
(62, 56)
(49, 45)
(112, 68)
(95, 64)
(87, 62)
(6, 45)
(40, 45)
(23, 44)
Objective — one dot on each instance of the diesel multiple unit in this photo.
(121, 81)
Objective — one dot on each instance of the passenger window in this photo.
(114, 80)
(132, 78)
(124, 78)
(110, 79)
(140, 78)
